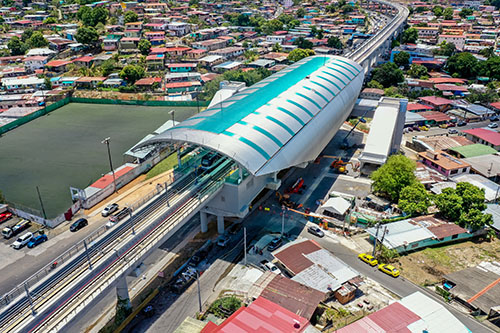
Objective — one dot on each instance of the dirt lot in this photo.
(427, 266)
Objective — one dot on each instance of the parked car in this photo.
(269, 266)
(410, 129)
(443, 126)
(222, 241)
(5, 216)
(451, 124)
(316, 231)
(149, 311)
(368, 258)
(494, 118)
(78, 224)
(452, 131)
(208, 160)
(110, 209)
(389, 269)
(198, 257)
(275, 243)
(22, 240)
(461, 123)
(424, 128)
(235, 228)
(37, 240)
(493, 125)
(120, 215)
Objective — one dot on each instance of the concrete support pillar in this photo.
(122, 294)
(178, 157)
(220, 224)
(204, 221)
(275, 177)
(240, 172)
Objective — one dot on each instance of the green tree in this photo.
(50, 20)
(374, 84)
(402, 58)
(47, 83)
(464, 64)
(132, 73)
(445, 49)
(438, 11)
(300, 13)
(277, 48)
(107, 67)
(417, 71)
(16, 47)
(303, 43)
(388, 74)
(298, 54)
(449, 204)
(487, 52)
(37, 40)
(414, 199)
(465, 12)
(269, 27)
(144, 46)
(130, 16)
(27, 33)
(87, 36)
(396, 174)
(335, 42)
(99, 15)
(448, 13)
(84, 14)
(347, 9)
(410, 35)
(490, 68)
(474, 219)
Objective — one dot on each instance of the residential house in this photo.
(372, 93)
(435, 117)
(438, 103)
(210, 61)
(444, 163)
(149, 83)
(417, 233)
(35, 62)
(59, 44)
(179, 29)
(181, 67)
(155, 62)
(273, 39)
(227, 66)
(311, 265)
(182, 87)
(85, 61)
(484, 136)
(134, 26)
(427, 32)
(111, 43)
(458, 40)
(228, 52)
(89, 82)
(57, 66)
(196, 54)
(177, 52)
(129, 44)
(22, 84)
(210, 45)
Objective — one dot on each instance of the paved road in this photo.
(399, 286)
(440, 131)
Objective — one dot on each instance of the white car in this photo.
(110, 209)
(269, 266)
(22, 240)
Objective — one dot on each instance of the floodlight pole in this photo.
(106, 141)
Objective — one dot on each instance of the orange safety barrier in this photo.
(488, 287)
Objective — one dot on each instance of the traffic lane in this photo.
(440, 131)
(399, 285)
(17, 272)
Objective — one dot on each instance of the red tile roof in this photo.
(450, 87)
(393, 318)
(446, 80)
(434, 100)
(486, 135)
(293, 256)
(147, 81)
(260, 316)
(91, 79)
(181, 84)
(181, 65)
(57, 63)
(417, 106)
(84, 59)
(495, 105)
(108, 179)
(435, 115)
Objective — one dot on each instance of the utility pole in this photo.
(282, 220)
(375, 242)
(41, 202)
(245, 244)
(199, 290)
(106, 141)
(131, 220)
(172, 113)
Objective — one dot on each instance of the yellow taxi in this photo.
(424, 128)
(369, 259)
(389, 269)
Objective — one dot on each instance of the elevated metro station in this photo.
(283, 121)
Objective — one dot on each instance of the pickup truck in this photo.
(14, 230)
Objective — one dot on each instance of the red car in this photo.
(5, 216)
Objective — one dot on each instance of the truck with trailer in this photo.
(16, 229)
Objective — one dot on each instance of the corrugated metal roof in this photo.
(401, 233)
(283, 120)
(293, 258)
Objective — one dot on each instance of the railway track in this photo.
(19, 310)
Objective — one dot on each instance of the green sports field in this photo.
(64, 149)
